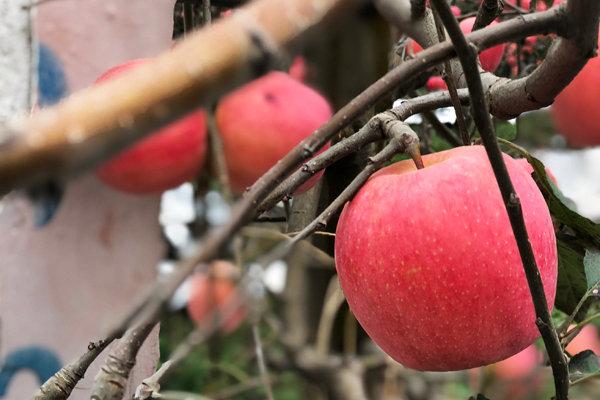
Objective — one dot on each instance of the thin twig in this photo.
(334, 299)
(467, 55)
(573, 332)
(565, 325)
(260, 359)
(206, 13)
(367, 134)
(217, 157)
(448, 77)
(402, 139)
(446, 133)
(488, 11)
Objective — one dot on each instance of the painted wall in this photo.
(63, 284)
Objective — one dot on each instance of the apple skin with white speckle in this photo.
(430, 267)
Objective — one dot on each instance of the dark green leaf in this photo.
(572, 285)
(578, 240)
(591, 263)
(479, 397)
(505, 129)
(559, 207)
(584, 365)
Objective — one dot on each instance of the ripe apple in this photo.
(587, 339)
(429, 264)
(574, 109)
(216, 293)
(490, 58)
(165, 159)
(263, 120)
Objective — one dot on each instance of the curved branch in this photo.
(111, 381)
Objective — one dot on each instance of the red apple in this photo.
(519, 366)
(165, 159)
(436, 83)
(490, 58)
(587, 339)
(429, 264)
(262, 121)
(574, 109)
(540, 5)
(218, 293)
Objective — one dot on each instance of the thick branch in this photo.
(111, 381)
(60, 386)
(99, 121)
(467, 55)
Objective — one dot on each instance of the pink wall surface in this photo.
(61, 286)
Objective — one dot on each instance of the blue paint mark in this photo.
(52, 82)
(41, 361)
(46, 198)
(52, 87)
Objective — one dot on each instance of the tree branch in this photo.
(111, 381)
(60, 386)
(402, 139)
(367, 134)
(98, 122)
(467, 55)
(448, 76)
(151, 305)
(488, 11)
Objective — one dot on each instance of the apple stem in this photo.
(415, 153)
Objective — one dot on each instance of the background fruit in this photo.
(263, 120)
(519, 366)
(490, 58)
(218, 293)
(587, 339)
(428, 261)
(575, 109)
(163, 160)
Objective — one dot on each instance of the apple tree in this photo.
(410, 243)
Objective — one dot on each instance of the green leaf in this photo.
(578, 242)
(479, 397)
(505, 129)
(572, 284)
(561, 208)
(583, 365)
(591, 263)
